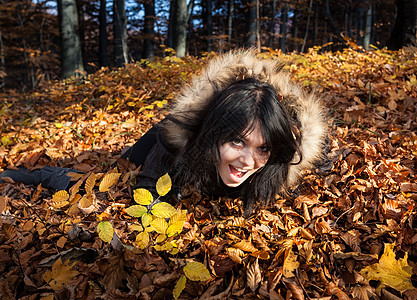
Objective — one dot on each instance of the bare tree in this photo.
(103, 57)
(180, 27)
(120, 32)
(71, 58)
(405, 29)
(251, 24)
(149, 43)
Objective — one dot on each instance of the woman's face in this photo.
(241, 158)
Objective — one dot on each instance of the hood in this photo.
(221, 71)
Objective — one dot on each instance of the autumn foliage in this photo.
(348, 231)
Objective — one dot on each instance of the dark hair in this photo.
(232, 113)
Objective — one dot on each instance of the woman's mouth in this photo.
(237, 172)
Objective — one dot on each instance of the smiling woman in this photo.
(240, 129)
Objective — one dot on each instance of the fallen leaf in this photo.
(390, 271)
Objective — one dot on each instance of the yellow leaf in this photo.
(163, 210)
(5, 140)
(142, 240)
(60, 199)
(180, 216)
(165, 247)
(163, 185)
(159, 225)
(160, 238)
(174, 228)
(90, 182)
(105, 231)
(196, 271)
(146, 219)
(136, 227)
(179, 287)
(108, 181)
(390, 272)
(61, 273)
(290, 264)
(142, 196)
(136, 211)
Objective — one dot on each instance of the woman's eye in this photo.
(264, 150)
(237, 142)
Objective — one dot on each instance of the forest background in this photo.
(112, 33)
(76, 97)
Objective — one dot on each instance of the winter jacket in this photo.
(174, 133)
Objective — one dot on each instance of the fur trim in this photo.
(236, 65)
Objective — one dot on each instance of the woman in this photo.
(241, 129)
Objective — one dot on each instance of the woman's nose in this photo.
(247, 157)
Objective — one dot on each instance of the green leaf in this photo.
(179, 287)
(105, 231)
(136, 211)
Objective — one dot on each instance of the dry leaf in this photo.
(61, 273)
(196, 271)
(390, 271)
(253, 275)
(107, 181)
(290, 264)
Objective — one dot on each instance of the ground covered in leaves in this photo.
(348, 231)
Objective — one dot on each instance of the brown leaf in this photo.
(336, 291)
(90, 182)
(245, 246)
(253, 275)
(296, 291)
(352, 239)
(3, 203)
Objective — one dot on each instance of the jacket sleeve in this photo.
(154, 157)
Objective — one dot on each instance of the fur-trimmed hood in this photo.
(223, 70)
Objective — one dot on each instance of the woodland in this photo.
(347, 231)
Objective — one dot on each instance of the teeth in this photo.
(241, 170)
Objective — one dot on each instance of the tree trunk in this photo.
(71, 58)
(316, 23)
(81, 27)
(209, 24)
(230, 21)
(283, 28)
(368, 28)
(272, 24)
(307, 26)
(149, 43)
(405, 28)
(103, 57)
(251, 23)
(120, 33)
(171, 22)
(180, 28)
(330, 20)
(2, 63)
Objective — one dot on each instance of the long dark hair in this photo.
(232, 113)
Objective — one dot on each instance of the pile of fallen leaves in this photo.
(348, 231)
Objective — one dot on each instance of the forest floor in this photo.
(349, 231)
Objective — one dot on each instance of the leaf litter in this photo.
(347, 231)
